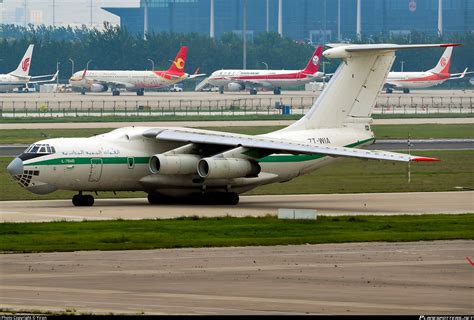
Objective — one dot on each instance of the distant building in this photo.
(306, 20)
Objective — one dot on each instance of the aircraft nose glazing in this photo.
(15, 167)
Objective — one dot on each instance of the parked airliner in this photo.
(20, 78)
(417, 80)
(138, 81)
(179, 164)
(238, 80)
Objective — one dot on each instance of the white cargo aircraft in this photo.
(138, 81)
(418, 80)
(178, 164)
(238, 80)
(20, 78)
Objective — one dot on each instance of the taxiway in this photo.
(455, 202)
(426, 277)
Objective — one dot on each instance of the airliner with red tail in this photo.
(137, 81)
(237, 80)
(20, 78)
(418, 80)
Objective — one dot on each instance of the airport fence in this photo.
(220, 107)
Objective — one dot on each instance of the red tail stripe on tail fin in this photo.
(313, 63)
(177, 66)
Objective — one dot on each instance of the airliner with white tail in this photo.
(187, 164)
(238, 80)
(20, 78)
(137, 81)
(419, 80)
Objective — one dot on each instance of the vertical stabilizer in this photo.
(444, 62)
(313, 64)
(350, 95)
(177, 66)
(23, 68)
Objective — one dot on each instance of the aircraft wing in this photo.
(459, 75)
(114, 84)
(192, 76)
(55, 76)
(269, 145)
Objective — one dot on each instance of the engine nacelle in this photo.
(96, 87)
(235, 86)
(216, 168)
(174, 164)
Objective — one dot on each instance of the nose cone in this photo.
(15, 167)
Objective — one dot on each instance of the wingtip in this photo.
(424, 159)
(451, 45)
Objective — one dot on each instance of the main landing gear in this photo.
(115, 92)
(406, 90)
(389, 90)
(208, 198)
(277, 91)
(80, 200)
(253, 91)
(140, 92)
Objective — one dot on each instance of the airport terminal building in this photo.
(317, 21)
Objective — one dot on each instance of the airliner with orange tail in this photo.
(138, 81)
(418, 80)
(237, 80)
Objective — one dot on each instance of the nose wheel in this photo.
(80, 200)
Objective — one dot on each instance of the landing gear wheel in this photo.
(83, 91)
(221, 90)
(406, 90)
(253, 91)
(115, 92)
(140, 92)
(83, 201)
(277, 91)
(232, 198)
(389, 90)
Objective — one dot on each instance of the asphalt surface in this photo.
(426, 277)
(387, 145)
(454, 202)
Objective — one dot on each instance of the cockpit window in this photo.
(37, 150)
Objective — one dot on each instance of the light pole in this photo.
(152, 64)
(87, 65)
(402, 62)
(266, 65)
(57, 69)
(72, 66)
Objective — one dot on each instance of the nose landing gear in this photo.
(80, 200)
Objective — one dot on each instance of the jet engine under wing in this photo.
(274, 145)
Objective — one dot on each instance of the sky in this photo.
(67, 12)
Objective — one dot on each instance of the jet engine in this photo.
(215, 168)
(174, 164)
(235, 86)
(96, 87)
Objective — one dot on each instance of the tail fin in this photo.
(313, 63)
(350, 95)
(23, 68)
(444, 62)
(177, 66)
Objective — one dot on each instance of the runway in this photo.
(326, 204)
(426, 277)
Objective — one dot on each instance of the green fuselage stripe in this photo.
(145, 160)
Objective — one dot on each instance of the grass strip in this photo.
(228, 231)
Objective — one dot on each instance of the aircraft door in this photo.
(96, 170)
